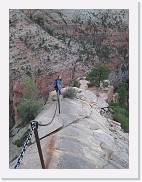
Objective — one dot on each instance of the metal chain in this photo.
(51, 119)
(34, 125)
(54, 113)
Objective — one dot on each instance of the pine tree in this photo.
(98, 74)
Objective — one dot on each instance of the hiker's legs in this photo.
(58, 91)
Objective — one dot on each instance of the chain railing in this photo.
(34, 127)
(51, 119)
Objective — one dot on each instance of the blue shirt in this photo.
(58, 83)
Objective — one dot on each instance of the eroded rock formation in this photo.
(78, 138)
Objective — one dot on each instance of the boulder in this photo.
(83, 84)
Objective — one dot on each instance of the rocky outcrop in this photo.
(105, 91)
(83, 84)
(79, 137)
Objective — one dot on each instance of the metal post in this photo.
(39, 146)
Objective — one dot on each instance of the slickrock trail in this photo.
(79, 138)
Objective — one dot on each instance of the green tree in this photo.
(98, 74)
(29, 105)
(29, 88)
(28, 109)
(123, 93)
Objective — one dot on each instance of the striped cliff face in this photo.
(50, 41)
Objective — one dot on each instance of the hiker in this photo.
(57, 84)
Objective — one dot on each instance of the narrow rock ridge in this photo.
(79, 138)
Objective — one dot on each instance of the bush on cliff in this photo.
(74, 83)
(28, 109)
(121, 115)
(30, 105)
(123, 119)
(20, 142)
(29, 88)
(123, 91)
(70, 93)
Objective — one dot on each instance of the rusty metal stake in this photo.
(39, 146)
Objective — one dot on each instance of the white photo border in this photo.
(133, 171)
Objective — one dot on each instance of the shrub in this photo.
(104, 52)
(18, 142)
(21, 38)
(70, 93)
(56, 46)
(123, 119)
(120, 115)
(119, 109)
(39, 21)
(123, 94)
(30, 105)
(74, 83)
(90, 85)
(28, 109)
(29, 88)
(50, 31)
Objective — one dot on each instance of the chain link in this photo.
(51, 119)
(34, 125)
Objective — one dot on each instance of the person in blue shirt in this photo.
(57, 84)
